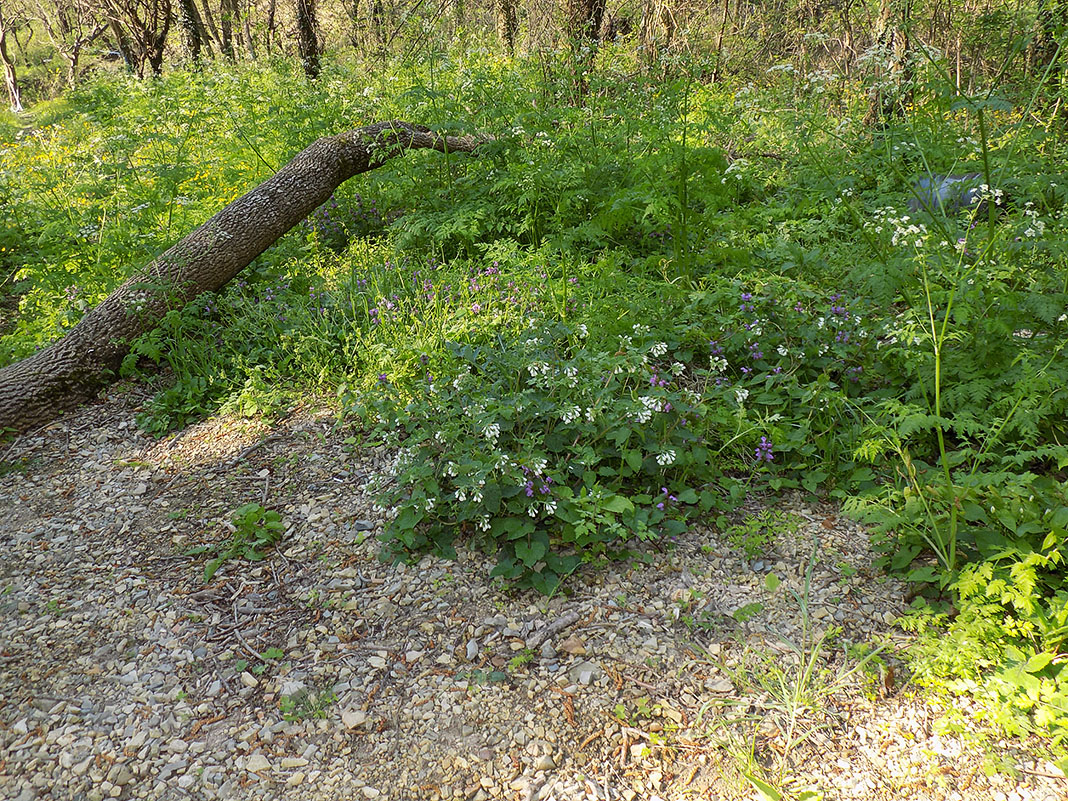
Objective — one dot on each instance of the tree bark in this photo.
(10, 77)
(892, 37)
(72, 369)
(196, 35)
(507, 24)
(307, 38)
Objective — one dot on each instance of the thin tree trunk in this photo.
(271, 33)
(352, 11)
(72, 369)
(209, 23)
(307, 38)
(226, 25)
(719, 39)
(507, 24)
(193, 28)
(10, 77)
(126, 49)
(892, 37)
(249, 43)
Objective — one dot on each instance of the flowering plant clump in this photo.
(335, 224)
(789, 360)
(549, 453)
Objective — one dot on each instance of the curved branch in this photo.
(72, 369)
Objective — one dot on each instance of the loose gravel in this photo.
(321, 672)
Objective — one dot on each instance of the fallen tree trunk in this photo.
(73, 369)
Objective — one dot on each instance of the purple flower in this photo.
(765, 450)
(383, 378)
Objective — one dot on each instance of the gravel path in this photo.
(322, 673)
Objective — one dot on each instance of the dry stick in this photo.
(561, 623)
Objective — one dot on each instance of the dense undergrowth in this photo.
(622, 314)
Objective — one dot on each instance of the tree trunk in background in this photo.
(507, 23)
(72, 369)
(378, 22)
(352, 11)
(124, 46)
(1052, 23)
(142, 27)
(210, 27)
(10, 78)
(894, 73)
(226, 26)
(307, 38)
(272, 34)
(249, 43)
(193, 27)
(584, 20)
(719, 39)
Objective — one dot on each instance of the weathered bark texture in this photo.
(507, 23)
(72, 369)
(10, 77)
(307, 38)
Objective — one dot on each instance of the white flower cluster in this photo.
(458, 382)
(658, 349)
(1037, 227)
(905, 231)
(570, 414)
(665, 458)
(491, 432)
(986, 192)
(582, 331)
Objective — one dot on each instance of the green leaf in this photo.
(634, 460)
(771, 582)
(546, 582)
(1038, 662)
(530, 551)
(212, 566)
(812, 480)
(764, 790)
(491, 498)
(408, 518)
(618, 504)
(674, 528)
